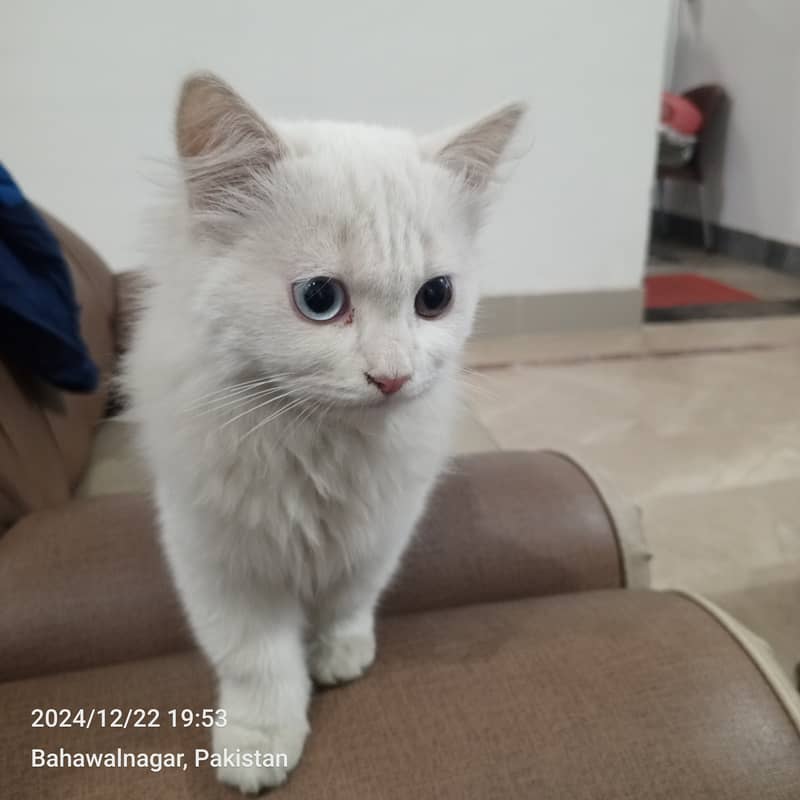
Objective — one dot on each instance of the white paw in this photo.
(337, 659)
(258, 758)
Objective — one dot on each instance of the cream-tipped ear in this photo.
(475, 152)
(222, 141)
(211, 115)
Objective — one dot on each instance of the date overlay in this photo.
(128, 718)
(86, 718)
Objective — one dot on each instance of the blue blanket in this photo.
(39, 316)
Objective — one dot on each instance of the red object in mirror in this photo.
(680, 114)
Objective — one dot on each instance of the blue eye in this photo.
(320, 299)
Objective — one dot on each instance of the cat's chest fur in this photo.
(308, 504)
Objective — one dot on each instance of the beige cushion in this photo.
(115, 466)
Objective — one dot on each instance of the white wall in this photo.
(751, 47)
(88, 92)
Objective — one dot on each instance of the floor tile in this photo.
(719, 541)
(550, 348)
(698, 423)
(688, 337)
(470, 435)
(769, 607)
(758, 333)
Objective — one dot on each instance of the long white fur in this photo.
(287, 485)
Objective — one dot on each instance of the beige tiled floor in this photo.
(698, 423)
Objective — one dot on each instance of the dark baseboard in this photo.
(762, 308)
(728, 241)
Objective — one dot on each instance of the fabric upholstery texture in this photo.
(760, 653)
(612, 695)
(86, 584)
(507, 525)
(626, 518)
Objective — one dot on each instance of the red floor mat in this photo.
(685, 289)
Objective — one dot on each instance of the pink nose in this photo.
(388, 385)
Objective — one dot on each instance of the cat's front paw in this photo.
(253, 759)
(337, 659)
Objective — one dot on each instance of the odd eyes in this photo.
(324, 299)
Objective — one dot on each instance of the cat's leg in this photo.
(343, 640)
(253, 637)
(342, 645)
(264, 689)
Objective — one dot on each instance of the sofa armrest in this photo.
(84, 584)
(612, 695)
(507, 525)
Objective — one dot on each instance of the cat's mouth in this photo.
(379, 401)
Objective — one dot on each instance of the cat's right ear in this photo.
(223, 143)
(474, 153)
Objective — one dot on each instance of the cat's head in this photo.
(336, 257)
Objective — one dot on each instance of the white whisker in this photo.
(482, 390)
(225, 402)
(475, 386)
(273, 416)
(255, 408)
(301, 418)
(234, 389)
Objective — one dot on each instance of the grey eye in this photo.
(434, 297)
(320, 299)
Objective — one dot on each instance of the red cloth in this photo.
(680, 114)
(687, 289)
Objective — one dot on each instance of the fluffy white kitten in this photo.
(294, 374)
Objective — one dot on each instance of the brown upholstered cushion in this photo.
(85, 584)
(44, 433)
(612, 695)
(507, 525)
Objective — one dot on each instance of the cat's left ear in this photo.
(223, 143)
(474, 152)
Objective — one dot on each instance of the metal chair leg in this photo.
(708, 236)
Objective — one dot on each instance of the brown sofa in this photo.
(515, 660)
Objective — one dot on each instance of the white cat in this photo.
(295, 376)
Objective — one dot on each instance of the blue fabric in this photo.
(39, 316)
